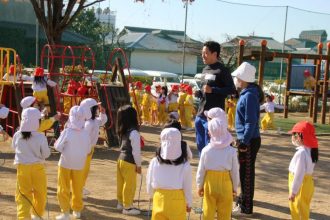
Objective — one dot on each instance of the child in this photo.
(31, 150)
(45, 124)
(169, 178)
(173, 104)
(69, 100)
(301, 184)
(137, 91)
(309, 81)
(10, 75)
(154, 106)
(269, 106)
(162, 106)
(188, 108)
(92, 126)
(146, 104)
(218, 172)
(129, 161)
(181, 99)
(231, 103)
(74, 144)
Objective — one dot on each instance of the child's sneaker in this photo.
(131, 211)
(86, 191)
(237, 211)
(33, 217)
(76, 215)
(120, 206)
(63, 216)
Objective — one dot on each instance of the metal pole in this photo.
(37, 41)
(184, 41)
(283, 46)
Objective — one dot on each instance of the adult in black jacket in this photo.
(217, 85)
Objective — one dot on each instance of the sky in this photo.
(215, 20)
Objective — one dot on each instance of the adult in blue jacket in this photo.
(247, 130)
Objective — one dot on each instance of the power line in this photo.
(273, 6)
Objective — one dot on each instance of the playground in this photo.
(271, 194)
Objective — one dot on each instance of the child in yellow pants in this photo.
(169, 179)
(217, 176)
(181, 99)
(146, 105)
(74, 144)
(129, 160)
(231, 103)
(267, 122)
(31, 150)
(301, 183)
(162, 106)
(93, 127)
(188, 108)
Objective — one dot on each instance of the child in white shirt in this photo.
(218, 171)
(301, 183)
(269, 106)
(74, 144)
(31, 150)
(169, 178)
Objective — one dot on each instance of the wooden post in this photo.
(287, 89)
(262, 63)
(241, 52)
(325, 86)
(317, 78)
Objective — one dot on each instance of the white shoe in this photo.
(237, 211)
(63, 216)
(131, 211)
(86, 191)
(120, 206)
(33, 217)
(76, 215)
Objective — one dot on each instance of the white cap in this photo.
(77, 118)
(245, 72)
(4, 112)
(27, 101)
(219, 135)
(170, 139)
(30, 119)
(174, 115)
(88, 103)
(217, 113)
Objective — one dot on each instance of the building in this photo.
(18, 31)
(252, 43)
(314, 35)
(156, 49)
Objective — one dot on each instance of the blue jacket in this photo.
(248, 114)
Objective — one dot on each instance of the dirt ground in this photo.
(271, 193)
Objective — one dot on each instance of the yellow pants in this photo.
(231, 118)
(300, 207)
(46, 124)
(68, 102)
(168, 205)
(218, 195)
(41, 96)
(182, 116)
(173, 107)
(88, 164)
(162, 114)
(188, 112)
(146, 114)
(31, 187)
(70, 181)
(126, 183)
(267, 121)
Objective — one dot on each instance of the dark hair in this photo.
(126, 120)
(172, 123)
(213, 47)
(26, 135)
(261, 93)
(314, 151)
(40, 80)
(93, 111)
(165, 93)
(180, 160)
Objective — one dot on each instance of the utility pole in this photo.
(185, 39)
(283, 46)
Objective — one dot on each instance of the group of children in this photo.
(153, 107)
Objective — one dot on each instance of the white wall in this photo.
(169, 62)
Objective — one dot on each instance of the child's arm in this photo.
(187, 185)
(61, 141)
(234, 173)
(44, 148)
(279, 106)
(102, 119)
(135, 139)
(200, 175)
(51, 83)
(150, 190)
(189, 153)
(299, 173)
(262, 107)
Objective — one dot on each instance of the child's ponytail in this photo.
(26, 135)
(315, 155)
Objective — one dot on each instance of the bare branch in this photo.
(92, 3)
(68, 11)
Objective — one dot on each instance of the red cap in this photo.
(188, 89)
(70, 90)
(308, 132)
(82, 90)
(307, 73)
(138, 85)
(175, 88)
(39, 71)
(147, 88)
(11, 69)
(182, 86)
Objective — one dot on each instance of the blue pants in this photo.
(202, 135)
